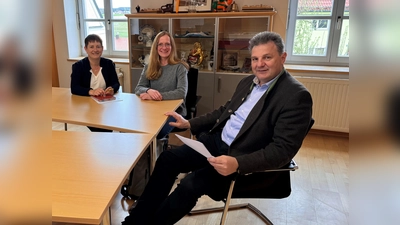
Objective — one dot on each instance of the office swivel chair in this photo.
(273, 183)
(191, 97)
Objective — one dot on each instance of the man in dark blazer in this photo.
(261, 127)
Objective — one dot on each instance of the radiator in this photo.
(331, 103)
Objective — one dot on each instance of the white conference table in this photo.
(88, 170)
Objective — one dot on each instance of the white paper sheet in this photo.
(196, 145)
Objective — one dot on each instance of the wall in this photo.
(54, 75)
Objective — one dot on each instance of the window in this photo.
(318, 32)
(106, 18)
(320, 24)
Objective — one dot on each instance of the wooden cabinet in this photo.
(205, 89)
(225, 85)
(223, 38)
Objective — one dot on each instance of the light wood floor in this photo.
(320, 189)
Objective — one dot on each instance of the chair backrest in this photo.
(191, 96)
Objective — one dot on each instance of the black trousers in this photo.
(158, 206)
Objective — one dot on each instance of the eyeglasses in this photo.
(166, 45)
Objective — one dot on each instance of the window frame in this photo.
(331, 58)
(108, 20)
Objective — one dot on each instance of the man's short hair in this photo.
(265, 37)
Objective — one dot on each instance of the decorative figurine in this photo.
(222, 5)
(141, 60)
(214, 5)
(144, 59)
(137, 8)
(167, 8)
(149, 42)
(234, 7)
(183, 56)
(196, 55)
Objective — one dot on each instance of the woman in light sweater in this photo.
(164, 77)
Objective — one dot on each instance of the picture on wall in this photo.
(202, 5)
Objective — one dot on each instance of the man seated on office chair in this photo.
(261, 127)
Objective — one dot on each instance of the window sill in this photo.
(310, 68)
(318, 71)
(115, 60)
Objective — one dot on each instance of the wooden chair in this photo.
(273, 183)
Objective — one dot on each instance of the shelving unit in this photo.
(224, 38)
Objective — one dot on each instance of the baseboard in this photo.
(329, 133)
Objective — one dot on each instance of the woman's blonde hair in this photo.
(154, 70)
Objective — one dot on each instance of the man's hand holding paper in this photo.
(196, 145)
(224, 165)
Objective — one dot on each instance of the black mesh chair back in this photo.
(191, 96)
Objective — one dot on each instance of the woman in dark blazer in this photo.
(88, 73)
(94, 75)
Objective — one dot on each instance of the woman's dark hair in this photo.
(93, 38)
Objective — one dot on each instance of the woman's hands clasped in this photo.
(151, 94)
(101, 92)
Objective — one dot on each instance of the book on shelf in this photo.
(257, 8)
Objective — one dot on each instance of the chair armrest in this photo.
(292, 166)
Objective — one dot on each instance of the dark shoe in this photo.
(132, 206)
(129, 220)
(125, 192)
